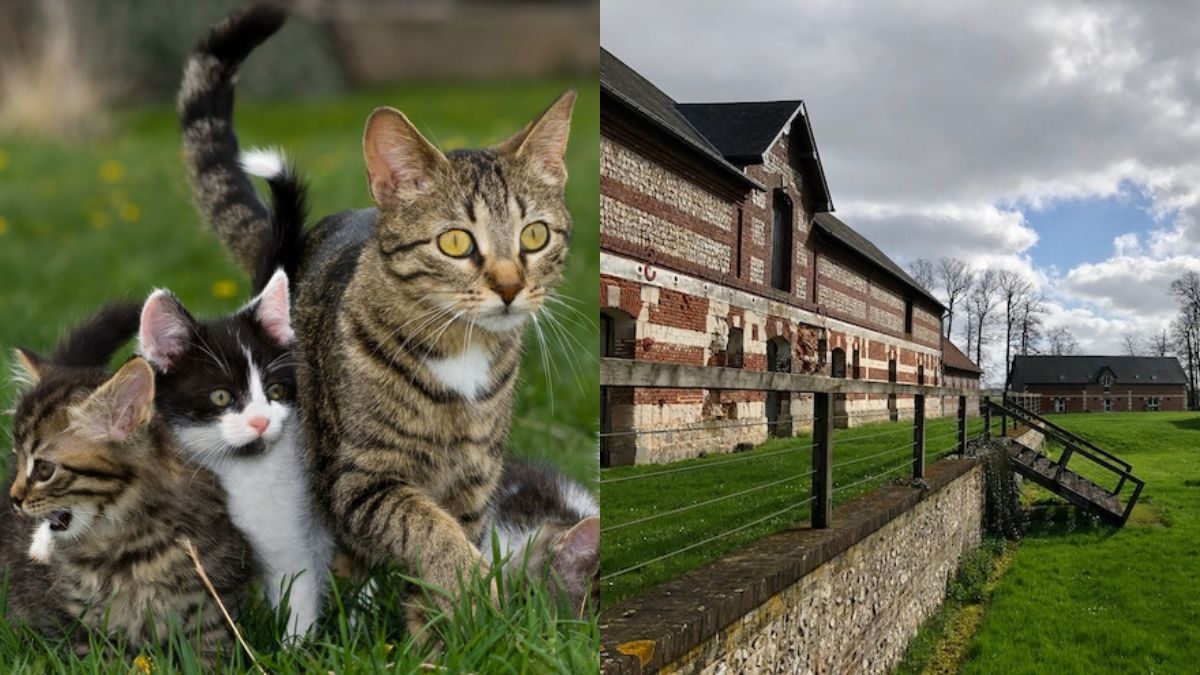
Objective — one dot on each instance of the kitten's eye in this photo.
(277, 391)
(43, 470)
(534, 237)
(221, 398)
(456, 243)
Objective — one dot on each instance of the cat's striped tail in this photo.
(223, 192)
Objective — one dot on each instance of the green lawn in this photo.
(87, 222)
(1081, 597)
(650, 512)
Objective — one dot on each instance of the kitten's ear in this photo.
(272, 309)
(166, 329)
(27, 368)
(120, 407)
(401, 164)
(543, 142)
(576, 556)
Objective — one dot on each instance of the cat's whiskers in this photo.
(207, 349)
(546, 363)
(445, 326)
(572, 346)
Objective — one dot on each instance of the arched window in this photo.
(838, 362)
(781, 243)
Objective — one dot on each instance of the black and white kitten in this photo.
(227, 393)
(548, 526)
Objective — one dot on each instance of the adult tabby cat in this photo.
(408, 317)
(93, 460)
(227, 393)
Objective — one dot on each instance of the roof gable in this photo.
(745, 132)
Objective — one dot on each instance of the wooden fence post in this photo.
(919, 436)
(987, 418)
(962, 425)
(822, 460)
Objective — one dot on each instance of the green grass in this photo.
(677, 499)
(83, 223)
(1081, 597)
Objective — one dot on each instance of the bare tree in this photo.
(1062, 342)
(1186, 326)
(1160, 343)
(956, 278)
(1029, 323)
(1131, 344)
(1013, 289)
(981, 302)
(922, 272)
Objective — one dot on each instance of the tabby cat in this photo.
(544, 523)
(408, 317)
(101, 470)
(227, 393)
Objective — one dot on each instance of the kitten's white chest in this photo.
(467, 373)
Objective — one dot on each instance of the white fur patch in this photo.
(467, 373)
(42, 544)
(263, 162)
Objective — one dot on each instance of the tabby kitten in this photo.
(95, 463)
(226, 389)
(408, 317)
(548, 527)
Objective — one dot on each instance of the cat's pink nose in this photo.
(259, 424)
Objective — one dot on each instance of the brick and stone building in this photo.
(1100, 383)
(719, 248)
(960, 372)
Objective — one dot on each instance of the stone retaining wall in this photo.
(842, 600)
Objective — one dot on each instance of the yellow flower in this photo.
(143, 664)
(225, 288)
(130, 212)
(3, 159)
(112, 171)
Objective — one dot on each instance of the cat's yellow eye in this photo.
(456, 243)
(43, 470)
(534, 237)
(277, 391)
(221, 398)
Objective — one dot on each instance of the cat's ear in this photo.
(120, 407)
(401, 164)
(576, 556)
(543, 142)
(166, 330)
(27, 368)
(272, 309)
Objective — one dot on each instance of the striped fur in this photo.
(91, 459)
(408, 356)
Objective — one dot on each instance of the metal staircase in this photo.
(1085, 492)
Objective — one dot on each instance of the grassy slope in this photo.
(860, 454)
(82, 223)
(1081, 597)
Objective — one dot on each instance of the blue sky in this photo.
(1060, 141)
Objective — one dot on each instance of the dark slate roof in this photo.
(1031, 370)
(651, 103)
(954, 359)
(743, 132)
(844, 234)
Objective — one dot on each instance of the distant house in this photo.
(718, 248)
(1101, 383)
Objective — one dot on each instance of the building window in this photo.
(738, 255)
(1153, 404)
(839, 363)
(1108, 405)
(733, 351)
(781, 243)
(1106, 380)
(1060, 404)
(857, 369)
(908, 317)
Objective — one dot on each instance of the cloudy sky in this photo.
(1062, 142)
